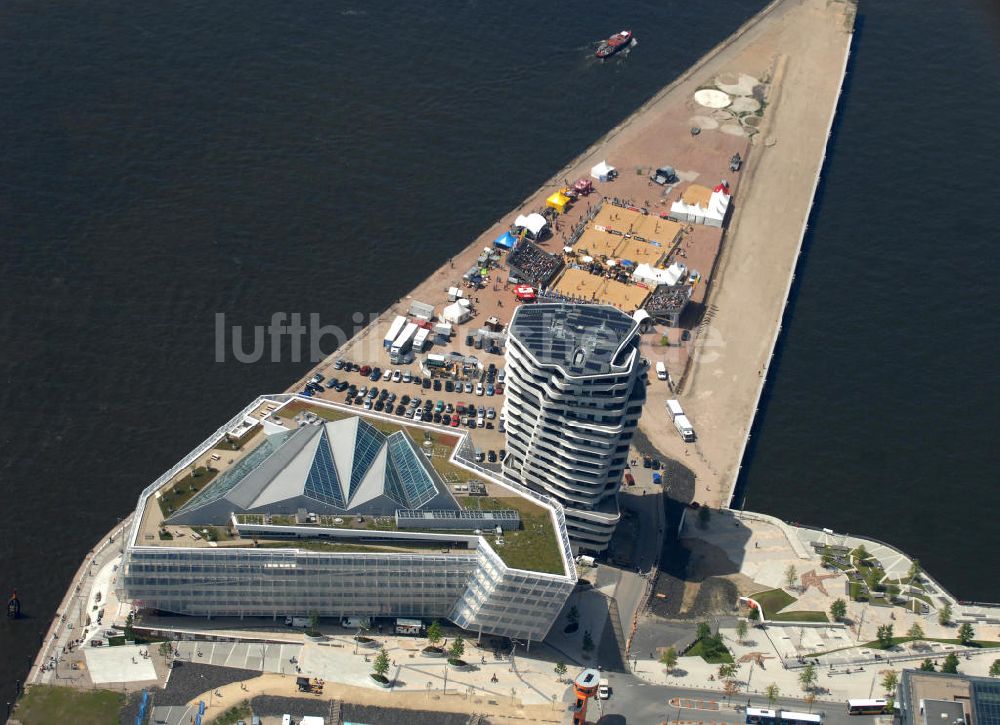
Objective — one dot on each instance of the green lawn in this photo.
(46, 704)
(698, 650)
(181, 492)
(803, 616)
(773, 601)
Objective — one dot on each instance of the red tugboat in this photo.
(618, 41)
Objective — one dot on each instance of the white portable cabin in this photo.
(394, 329)
(422, 310)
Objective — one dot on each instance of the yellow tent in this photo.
(558, 201)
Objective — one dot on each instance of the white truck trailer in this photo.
(676, 415)
(394, 329)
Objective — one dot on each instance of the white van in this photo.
(286, 719)
(661, 371)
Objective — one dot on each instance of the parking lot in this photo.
(474, 404)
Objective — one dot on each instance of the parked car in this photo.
(376, 374)
(405, 400)
(490, 389)
(400, 410)
(387, 375)
(454, 422)
(407, 377)
(449, 387)
(479, 388)
(317, 378)
(437, 385)
(446, 419)
(396, 376)
(365, 370)
(491, 456)
(332, 383)
(379, 405)
(501, 376)
(426, 384)
(491, 413)
(339, 364)
(468, 387)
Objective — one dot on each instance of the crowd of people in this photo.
(529, 263)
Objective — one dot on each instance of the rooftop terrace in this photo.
(580, 339)
(534, 545)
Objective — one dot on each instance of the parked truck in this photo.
(404, 342)
(297, 622)
(684, 427)
(676, 414)
(394, 329)
(420, 339)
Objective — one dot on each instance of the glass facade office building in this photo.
(455, 576)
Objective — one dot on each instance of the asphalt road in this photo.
(636, 701)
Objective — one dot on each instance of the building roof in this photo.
(579, 339)
(334, 466)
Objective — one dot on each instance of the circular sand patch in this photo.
(711, 98)
(722, 115)
(750, 121)
(732, 129)
(745, 104)
(704, 122)
(734, 85)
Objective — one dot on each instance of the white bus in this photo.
(764, 716)
(409, 626)
(878, 706)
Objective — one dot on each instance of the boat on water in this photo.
(14, 606)
(618, 41)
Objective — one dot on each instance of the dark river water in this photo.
(164, 162)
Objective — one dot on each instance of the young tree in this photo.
(927, 666)
(828, 561)
(314, 620)
(457, 648)
(434, 633)
(810, 699)
(704, 516)
(889, 681)
(995, 669)
(129, 622)
(741, 630)
(381, 664)
(838, 610)
(916, 631)
(730, 688)
(950, 664)
(704, 631)
(944, 614)
(884, 636)
(167, 652)
(669, 659)
(560, 670)
(861, 553)
(727, 670)
(808, 677)
(915, 570)
(966, 633)
(771, 692)
(790, 576)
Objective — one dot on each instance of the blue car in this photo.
(489, 389)
(307, 392)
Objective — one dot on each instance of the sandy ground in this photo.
(746, 301)
(499, 710)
